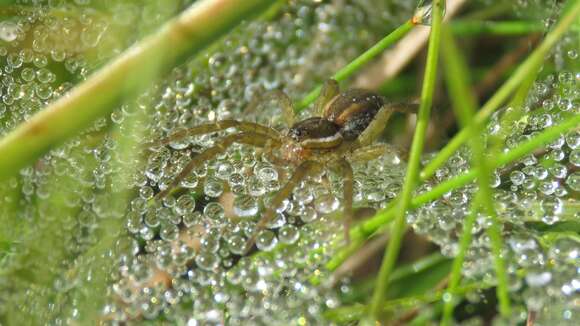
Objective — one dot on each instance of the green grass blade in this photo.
(193, 30)
(398, 229)
(464, 103)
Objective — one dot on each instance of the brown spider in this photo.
(344, 129)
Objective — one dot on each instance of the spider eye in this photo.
(295, 133)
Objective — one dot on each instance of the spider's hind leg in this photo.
(249, 138)
(207, 128)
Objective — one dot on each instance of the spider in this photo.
(344, 130)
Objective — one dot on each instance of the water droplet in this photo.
(266, 240)
(423, 12)
(9, 31)
(245, 206)
(207, 261)
(288, 234)
(326, 204)
(573, 181)
(185, 204)
(213, 187)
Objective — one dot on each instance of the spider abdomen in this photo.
(353, 111)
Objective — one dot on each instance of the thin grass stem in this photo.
(464, 104)
(398, 229)
(356, 312)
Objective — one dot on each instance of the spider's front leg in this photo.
(248, 138)
(282, 98)
(299, 174)
(374, 151)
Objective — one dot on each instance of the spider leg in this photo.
(329, 90)
(347, 182)
(300, 173)
(376, 127)
(269, 153)
(282, 98)
(249, 138)
(372, 152)
(217, 126)
(411, 107)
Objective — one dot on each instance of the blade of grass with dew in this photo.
(464, 104)
(385, 216)
(532, 64)
(398, 229)
(359, 62)
(180, 38)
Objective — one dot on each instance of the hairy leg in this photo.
(217, 126)
(347, 181)
(405, 107)
(249, 138)
(376, 127)
(329, 90)
(282, 98)
(372, 152)
(300, 173)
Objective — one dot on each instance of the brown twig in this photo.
(532, 315)
(492, 77)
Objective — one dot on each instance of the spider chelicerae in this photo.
(343, 130)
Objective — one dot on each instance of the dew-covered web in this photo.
(181, 259)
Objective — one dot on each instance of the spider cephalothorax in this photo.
(345, 128)
(310, 136)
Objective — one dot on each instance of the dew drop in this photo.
(326, 204)
(245, 206)
(266, 240)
